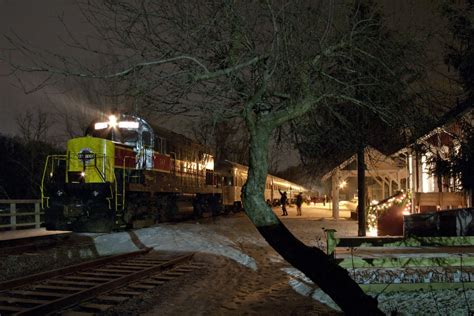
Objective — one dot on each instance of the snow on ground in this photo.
(249, 258)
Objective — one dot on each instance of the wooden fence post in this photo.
(13, 215)
(37, 215)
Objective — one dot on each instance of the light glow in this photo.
(113, 120)
(83, 174)
(128, 124)
(403, 200)
(101, 125)
(210, 163)
(372, 231)
(343, 184)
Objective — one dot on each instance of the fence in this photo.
(20, 214)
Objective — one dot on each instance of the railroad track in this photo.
(93, 286)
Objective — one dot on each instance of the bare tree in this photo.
(264, 62)
(34, 126)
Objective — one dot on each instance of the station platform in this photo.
(25, 234)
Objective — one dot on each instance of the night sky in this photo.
(36, 21)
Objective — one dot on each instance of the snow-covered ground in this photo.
(248, 257)
(242, 275)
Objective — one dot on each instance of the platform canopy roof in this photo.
(377, 165)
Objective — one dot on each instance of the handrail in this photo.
(123, 183)
(48, 158)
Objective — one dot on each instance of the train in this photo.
(125, 173)
(233, 177)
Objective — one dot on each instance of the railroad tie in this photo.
(37, 293)
(57, 288)
(11, 300)
(76, 313)
(183, 270)
(163, 277)
(140, 286)
(94, 306)
(153, 282)
(173, 273)
(76, 283)
(112, 298)
(117, 271)
(127, 293)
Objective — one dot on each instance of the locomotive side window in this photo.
(146, 137)
(160, 145)
(129, 137)
(164, 150)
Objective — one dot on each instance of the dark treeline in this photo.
(21, 167)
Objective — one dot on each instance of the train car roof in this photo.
(226, 164)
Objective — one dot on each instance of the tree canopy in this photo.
(266, 63)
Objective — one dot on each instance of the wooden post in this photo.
(382, 185)
(361, 191)
(13, 215)
(390, 186)
(331, 242)
(37, 215)
(335, 194)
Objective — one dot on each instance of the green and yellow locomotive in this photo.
(126, 173)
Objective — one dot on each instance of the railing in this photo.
(49, 170)
(20, 217)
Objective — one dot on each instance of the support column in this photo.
(382, 185)
(361, 191)
(335, 194)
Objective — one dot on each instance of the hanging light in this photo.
(343, 184)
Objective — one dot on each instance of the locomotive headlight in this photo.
(101, 125)
(128, 124)
(112, 120)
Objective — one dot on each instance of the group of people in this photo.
(284, 202)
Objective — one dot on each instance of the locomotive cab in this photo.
(128, 131)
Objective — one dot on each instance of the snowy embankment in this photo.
(235, 238)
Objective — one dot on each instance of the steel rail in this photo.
(101, 288)
(11, 284)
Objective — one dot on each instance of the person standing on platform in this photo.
(299, 202)
(283, 201)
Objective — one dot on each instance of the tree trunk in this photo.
(313, 262)
(361, 191)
